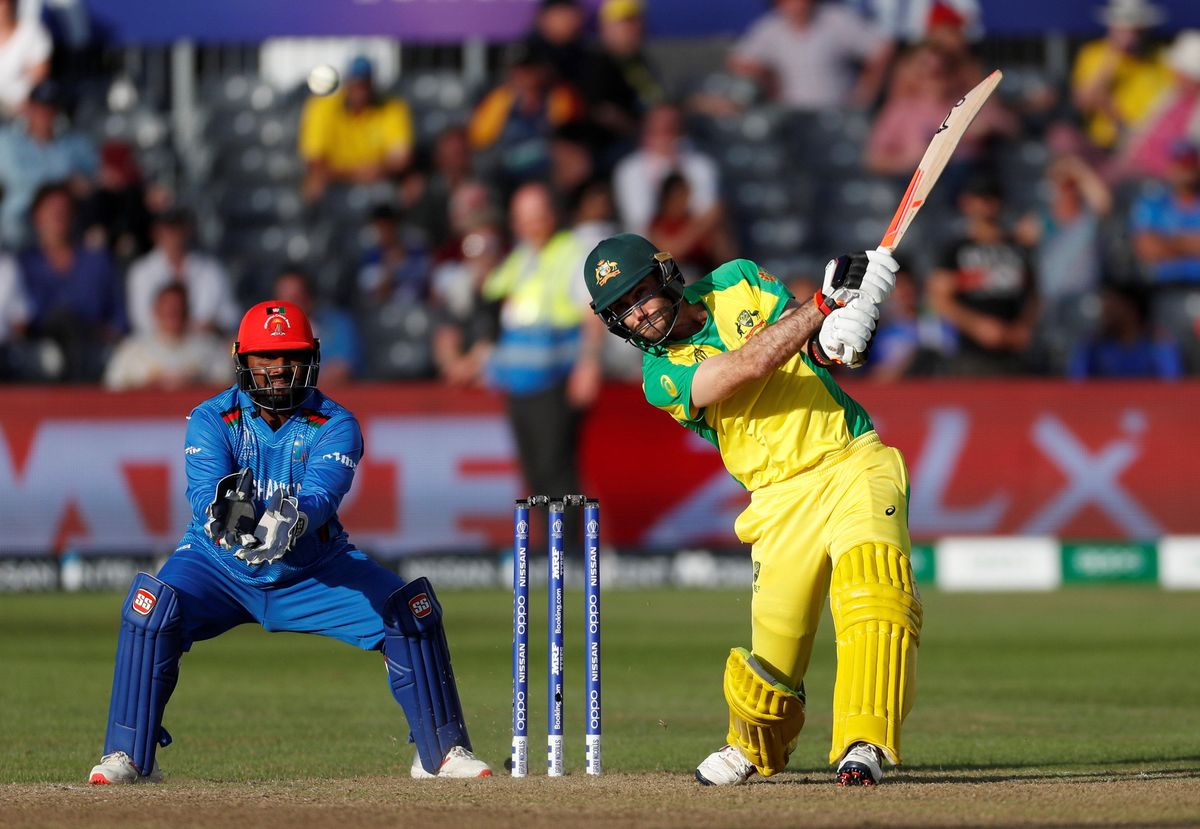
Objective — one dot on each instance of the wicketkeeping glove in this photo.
(845, 335)
(871, 274)
(281, 525)
(231, 518)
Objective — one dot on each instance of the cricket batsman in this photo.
(268, 460)
(737, 360)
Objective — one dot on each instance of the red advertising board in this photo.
(87, 469)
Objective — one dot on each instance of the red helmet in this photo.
(270, 327)
(275, 325)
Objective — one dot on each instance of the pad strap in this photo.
(765, 716)
(148, 649)
(418, 663)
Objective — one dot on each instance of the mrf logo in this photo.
(420, 605)
(143, 602)
(277, 322)
(606, 270)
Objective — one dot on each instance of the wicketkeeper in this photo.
(737, 360)
(268, 461)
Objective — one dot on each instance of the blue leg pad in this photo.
(148, 651)
(418, 663)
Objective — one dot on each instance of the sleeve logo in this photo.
(668, 385)
(747, 323)
(606, 270)
(338, 457)
(143, 602)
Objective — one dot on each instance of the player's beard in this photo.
(656, 327)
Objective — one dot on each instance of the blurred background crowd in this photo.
(423, 212)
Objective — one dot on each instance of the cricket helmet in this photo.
(270, 328)
(614, 268)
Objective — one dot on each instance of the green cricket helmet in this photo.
(618, 265)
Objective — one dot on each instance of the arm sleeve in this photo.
(330, 471)
(208, 457)
(668, 386)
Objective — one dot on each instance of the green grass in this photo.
(1081, 680)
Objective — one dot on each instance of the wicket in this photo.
(555, 584)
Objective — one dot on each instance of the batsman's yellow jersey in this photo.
(769, 430)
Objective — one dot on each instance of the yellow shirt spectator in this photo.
(346, 141)
(1134, 84)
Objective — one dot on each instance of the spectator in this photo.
(517, 119)
(924, 87)
(983, 289)
(25, 48)
(571, 162)
(1166, 240)
(465, 324)
(469, 206)
(395, 268)
(425, 191)
(557, 40)
(547, 356)
(802, 51)
(117, 216)
(593, 214)
(638, 178)
(172, 355)
(621, 84)
(211, 302)
(34, 151)
(356, 135)
(913, 21)
(341, 351)
(698, 241)
(1065, 235)
(1177, 117)
(1124, 346)
(897, 341)
(14, 314)
(75, 293)
(1117, 80)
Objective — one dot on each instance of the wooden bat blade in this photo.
(937, 155)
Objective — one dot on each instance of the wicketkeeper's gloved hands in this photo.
(871, 274)
(231, 518)
(845, 335)
(281, 525)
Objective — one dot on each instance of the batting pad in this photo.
(877, 617)
(765, 716)
(148, 649)
(418, 664)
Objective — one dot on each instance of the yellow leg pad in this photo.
(765, 716)
(877, 617)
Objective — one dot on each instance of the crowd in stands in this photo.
(1062, 240)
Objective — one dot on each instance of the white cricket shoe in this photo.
(458, 763)
(726, 766)
(861, 765)
(118, 767)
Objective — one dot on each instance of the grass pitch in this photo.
(1069, 708)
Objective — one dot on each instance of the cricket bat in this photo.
(954, 125)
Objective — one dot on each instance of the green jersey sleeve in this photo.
(668, 386)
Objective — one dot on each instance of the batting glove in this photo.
(845, 335)
(871, 274)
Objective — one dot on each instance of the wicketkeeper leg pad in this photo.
(877, 616)
(418, 663)
(148, 650)
(765, 716)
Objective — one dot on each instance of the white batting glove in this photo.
(871, 274)
(845, 335)
(282, 523)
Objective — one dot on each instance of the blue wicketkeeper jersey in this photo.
(312, 456)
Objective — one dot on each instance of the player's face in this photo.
(645, 311)
(276, 370)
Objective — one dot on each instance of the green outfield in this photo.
(1082, 682)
